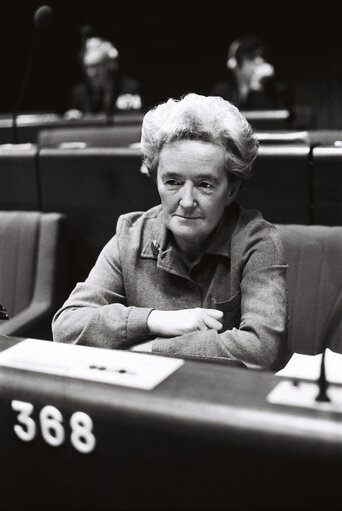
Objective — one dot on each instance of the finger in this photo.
(202, 326)
(214, 313)
(213, 323)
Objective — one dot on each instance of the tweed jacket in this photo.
(242, 272)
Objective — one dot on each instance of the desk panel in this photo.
(19, 183)
(94, 136)
(327, 185)
(280, 185)
(205, 438)
(93, 187)
(29, 125)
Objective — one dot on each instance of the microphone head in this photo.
(42, 17)
(86, 31)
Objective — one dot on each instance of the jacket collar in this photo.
(157, 242)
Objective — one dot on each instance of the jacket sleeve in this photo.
(96, 314)
(260, 340)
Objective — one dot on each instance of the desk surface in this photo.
(29, 124)
(56, 120)
(204, 413)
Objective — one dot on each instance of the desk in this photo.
(28, 125)
(205, 438)
(93, 187)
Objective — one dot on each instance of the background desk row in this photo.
(31, 124)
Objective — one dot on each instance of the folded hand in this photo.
(179, 322)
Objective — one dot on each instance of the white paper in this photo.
(307, 367)
(108, 366)
(304, 395)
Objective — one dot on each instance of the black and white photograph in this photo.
(170, 255)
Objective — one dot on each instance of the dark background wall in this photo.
(175, 46)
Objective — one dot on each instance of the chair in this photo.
(314, 278)
(32, 282)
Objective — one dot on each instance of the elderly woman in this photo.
(197, 275)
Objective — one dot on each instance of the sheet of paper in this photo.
(117, 367)
(304, 394)
(308, 367)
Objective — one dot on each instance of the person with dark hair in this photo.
(252, 83)
(105, 89)
(197, 275)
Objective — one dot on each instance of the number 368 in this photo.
(51, 426)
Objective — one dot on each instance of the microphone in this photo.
(85, 32)
(42, 19)
(330, 326)
(3, 312)
(263, 73)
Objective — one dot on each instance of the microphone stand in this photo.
(42, 19)
(23, 88)
(323, 383)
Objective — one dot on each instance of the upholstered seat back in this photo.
(32, 270)
(19, 238)
(314, 255)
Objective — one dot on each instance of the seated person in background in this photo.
(106, 89)
(251, 84)
(197, 275)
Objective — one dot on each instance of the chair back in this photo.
(314, 279)
(32, 266)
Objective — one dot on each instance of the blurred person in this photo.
(197, 275)
(105, 89)
(252, 83)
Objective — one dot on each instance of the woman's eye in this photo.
(172, 182)
(206, 186)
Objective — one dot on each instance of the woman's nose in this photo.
(187, 199)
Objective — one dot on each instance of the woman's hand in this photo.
(261, 73)
(173, 323)
(72, 114)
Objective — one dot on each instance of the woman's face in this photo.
(97, 74)
(194, 190)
